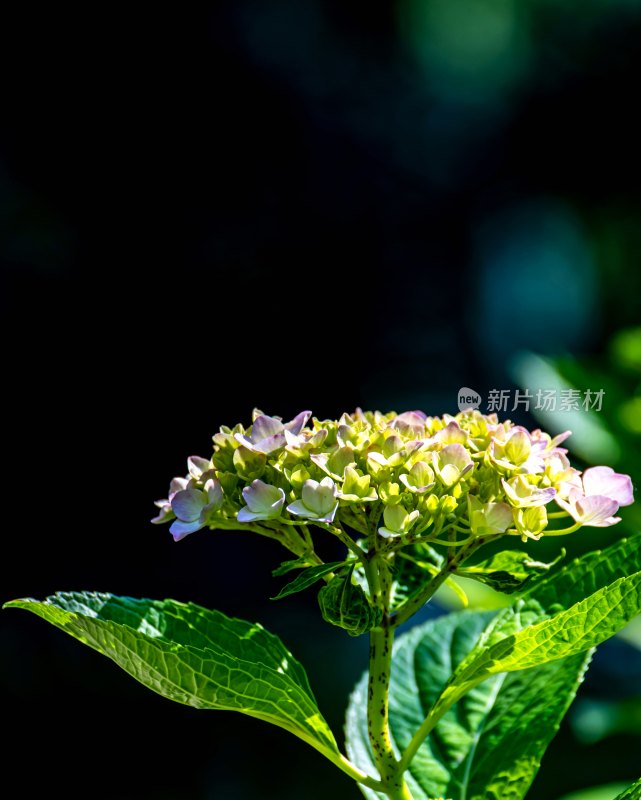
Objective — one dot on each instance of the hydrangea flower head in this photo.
(397, 479)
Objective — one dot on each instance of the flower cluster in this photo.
(405, 478)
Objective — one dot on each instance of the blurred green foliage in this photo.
(611, 435)
(597, 793)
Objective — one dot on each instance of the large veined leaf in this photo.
(194, 656)
(581, 627)
(610, 579)
(492, 742)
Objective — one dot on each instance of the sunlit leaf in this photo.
(194, 656)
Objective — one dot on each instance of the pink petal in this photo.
(265, 426)
(271, 443)
(596, 510)
(608, 483)
(456, 455)
(197, 465)
(410, 422)
(298, 423)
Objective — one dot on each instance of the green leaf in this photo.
(561, 590)
(308, 578)
(631, 793)
(555, 620)
(492, 742)
(194, 656)
(579, 628)
(507, 571)
(589, 573)
(288, 566)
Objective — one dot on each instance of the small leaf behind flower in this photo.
(292, 564)
(508, 571)
(587, 574)
(308, 578)
(344, 603)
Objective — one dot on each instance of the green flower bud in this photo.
(249, 464)
(390, 493)
(356, 487)
(531, 522)
(297, 476)
(397, 521)
(430, 504)
(448, 504)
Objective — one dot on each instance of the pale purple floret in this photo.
(457, 456)
(488, 518)
(412, 422)
(517, 451)
(193, 508)
(595, 511)
(604, 491)
(544, 444)
(452, 433)
(165, 514)
(263, 502)
(198, 466)
(268, 433)
(451, 463)
(606, 482)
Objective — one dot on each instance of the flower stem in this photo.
(410, 607)
(380, 664)
(341, 534)
(563, 531)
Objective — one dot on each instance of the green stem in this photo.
(450, 696)
(409, 608)
(341, 534)
(302, 531)
(290, 536)
(426, 728)
(354, 772)
(449, 542)
(563, 531)
(380, 664)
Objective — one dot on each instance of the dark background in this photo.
(303, 204)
